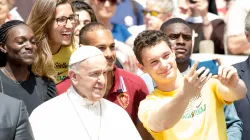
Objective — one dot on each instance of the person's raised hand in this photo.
(183, 10)
(200, 5)
(195, 80)
(228, 76)
(127, 55)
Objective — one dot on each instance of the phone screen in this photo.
(212, 65)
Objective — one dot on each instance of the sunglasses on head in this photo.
(113, 2)
(152, 13)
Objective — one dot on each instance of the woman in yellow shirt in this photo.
(53, 23)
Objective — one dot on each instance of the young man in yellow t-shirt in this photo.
(186, 107)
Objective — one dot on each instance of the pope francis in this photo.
(81, 113)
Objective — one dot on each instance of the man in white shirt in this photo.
(81, 113)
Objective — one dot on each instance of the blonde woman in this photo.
(53, 23)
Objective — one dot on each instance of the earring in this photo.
(3, 50)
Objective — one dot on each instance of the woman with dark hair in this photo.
(18, 51)
(86, 15)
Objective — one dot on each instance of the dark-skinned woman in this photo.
(18, 52)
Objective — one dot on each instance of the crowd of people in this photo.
(122, 69)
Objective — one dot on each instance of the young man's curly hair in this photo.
(148, 38)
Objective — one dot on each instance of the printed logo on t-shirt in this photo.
(61, 68)
(60, 77)
(123, 99)
(195, 107)
(61, 65)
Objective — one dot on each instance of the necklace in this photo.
(82, 121)
(4, 70)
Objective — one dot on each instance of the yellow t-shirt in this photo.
(61, 61)
(203, 118)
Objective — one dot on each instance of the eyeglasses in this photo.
(62, 21)
(113, 2)
(152, 13)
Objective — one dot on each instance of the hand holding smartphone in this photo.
(212, 65)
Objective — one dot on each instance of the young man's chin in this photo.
(168, 76)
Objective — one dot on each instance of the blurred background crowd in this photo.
(227, 16)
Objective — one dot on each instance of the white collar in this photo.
(79, 100)
(198, 19)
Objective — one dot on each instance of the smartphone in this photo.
(192, 1)
(212, 65)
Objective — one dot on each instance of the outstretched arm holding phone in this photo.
(170, 113)
(231, 87)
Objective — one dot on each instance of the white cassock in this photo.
(71, 117)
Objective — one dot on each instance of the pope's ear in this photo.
(73, 76)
